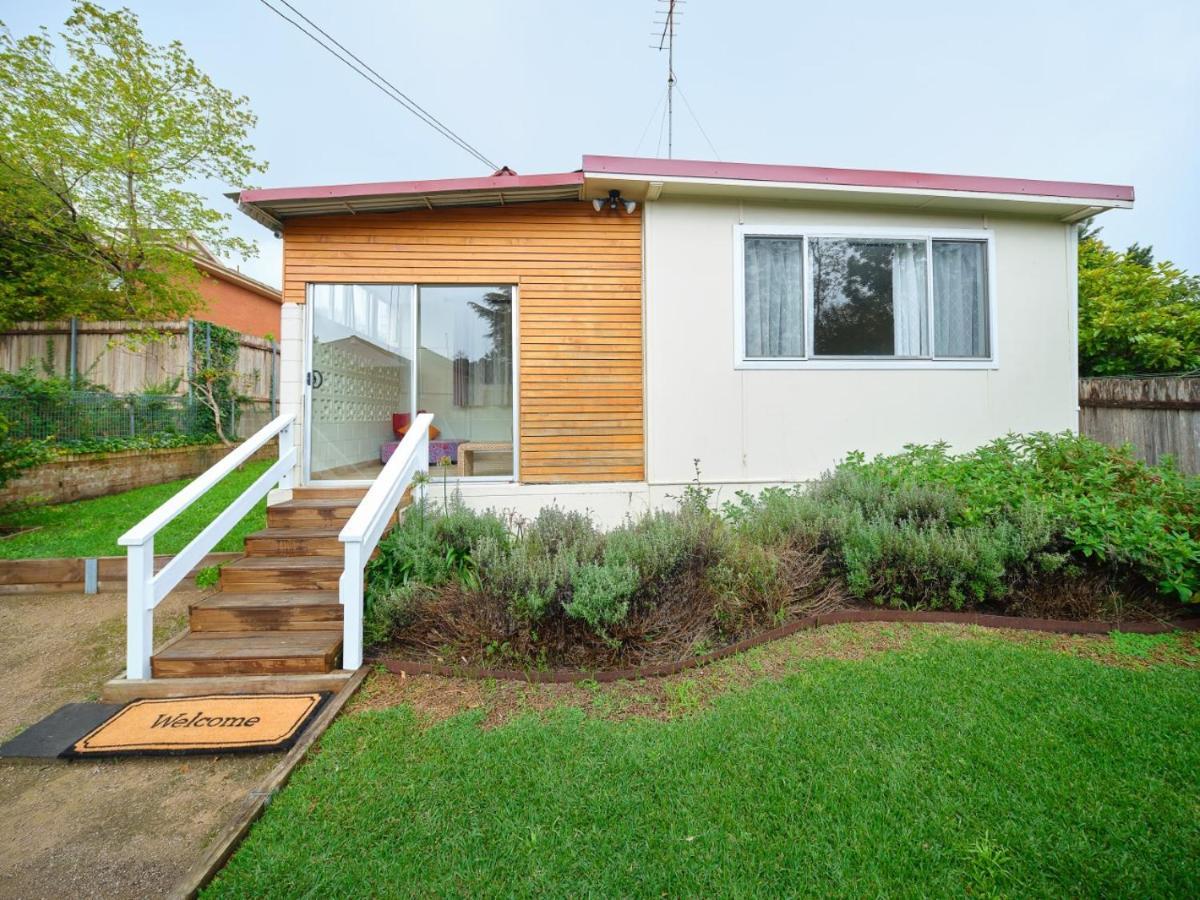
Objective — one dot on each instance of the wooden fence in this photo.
(1159, 416)
(109, 354)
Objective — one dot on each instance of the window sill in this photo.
(864, 364)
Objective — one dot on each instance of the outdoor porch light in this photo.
(614, 198)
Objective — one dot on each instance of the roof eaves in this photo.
(406, 188)
(702, 171)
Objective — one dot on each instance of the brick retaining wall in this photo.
(78, 477)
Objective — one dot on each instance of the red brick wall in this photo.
(238, 308)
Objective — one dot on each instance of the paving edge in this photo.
(253, 804)
(566, 676)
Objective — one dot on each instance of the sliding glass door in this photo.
(382, 353)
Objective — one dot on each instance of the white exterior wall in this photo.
(750, 428)
(770, 426)
(291, 385)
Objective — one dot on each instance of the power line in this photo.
(375, 79)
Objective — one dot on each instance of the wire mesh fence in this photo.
(84, 415)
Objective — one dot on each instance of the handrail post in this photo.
(286, 442)
(350, 588)
(366, 526)
(139, 602)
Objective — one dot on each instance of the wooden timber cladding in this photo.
(579, 275)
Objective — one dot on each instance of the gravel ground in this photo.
(98, 828)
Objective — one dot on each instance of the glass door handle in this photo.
(315, 379)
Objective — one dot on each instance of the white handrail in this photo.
(147, 589)
(366, 526)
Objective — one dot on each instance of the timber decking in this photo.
(283, 611)
(277, 612)
(315, 541)
(296, 513)
(263, 652)
(579, 307)
(282, 573)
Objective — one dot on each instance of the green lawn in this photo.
(91, 527)
(953, 766)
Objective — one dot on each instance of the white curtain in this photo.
(959, 299)
(774, 304)
(909, 306)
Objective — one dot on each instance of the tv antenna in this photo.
(666, 41)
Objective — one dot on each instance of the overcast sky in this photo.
(1088, 91)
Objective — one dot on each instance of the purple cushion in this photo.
(437, 450)
(440, 449)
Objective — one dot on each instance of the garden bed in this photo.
(1040, 527)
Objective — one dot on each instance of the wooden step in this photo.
(279, 611)
(320, 541)
(313, 492)
(310, 513)
(248, 653)
(251, 574)
(123, 690)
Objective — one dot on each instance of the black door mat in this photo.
(56, 733)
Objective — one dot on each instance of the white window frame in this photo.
(811, 360)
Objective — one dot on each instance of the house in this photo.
(604, 328)
(235, 300)
(103, 354)
(583, 338)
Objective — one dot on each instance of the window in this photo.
(774, 313)
(869, 298)
(379, 353)
(825, 297)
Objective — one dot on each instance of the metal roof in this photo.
(270, 206)
(690, 169)
(644, 178)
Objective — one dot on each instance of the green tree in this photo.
(1136, 316)
(98, 166)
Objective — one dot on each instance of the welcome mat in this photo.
(225, 723)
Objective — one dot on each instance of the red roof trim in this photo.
(435, 186)
(687, 168)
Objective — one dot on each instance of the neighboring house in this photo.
(234, 300)
(103, 355)
(764, 320)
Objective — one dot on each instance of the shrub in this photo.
(386, 611)
(458, 528)
(18, 454)
(429, 547)
(660, 544)
(747, 575)
(601, 593)
(556, 530)
(926, 528)
(1052, 523)
(1102, 505)
(523, 575)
